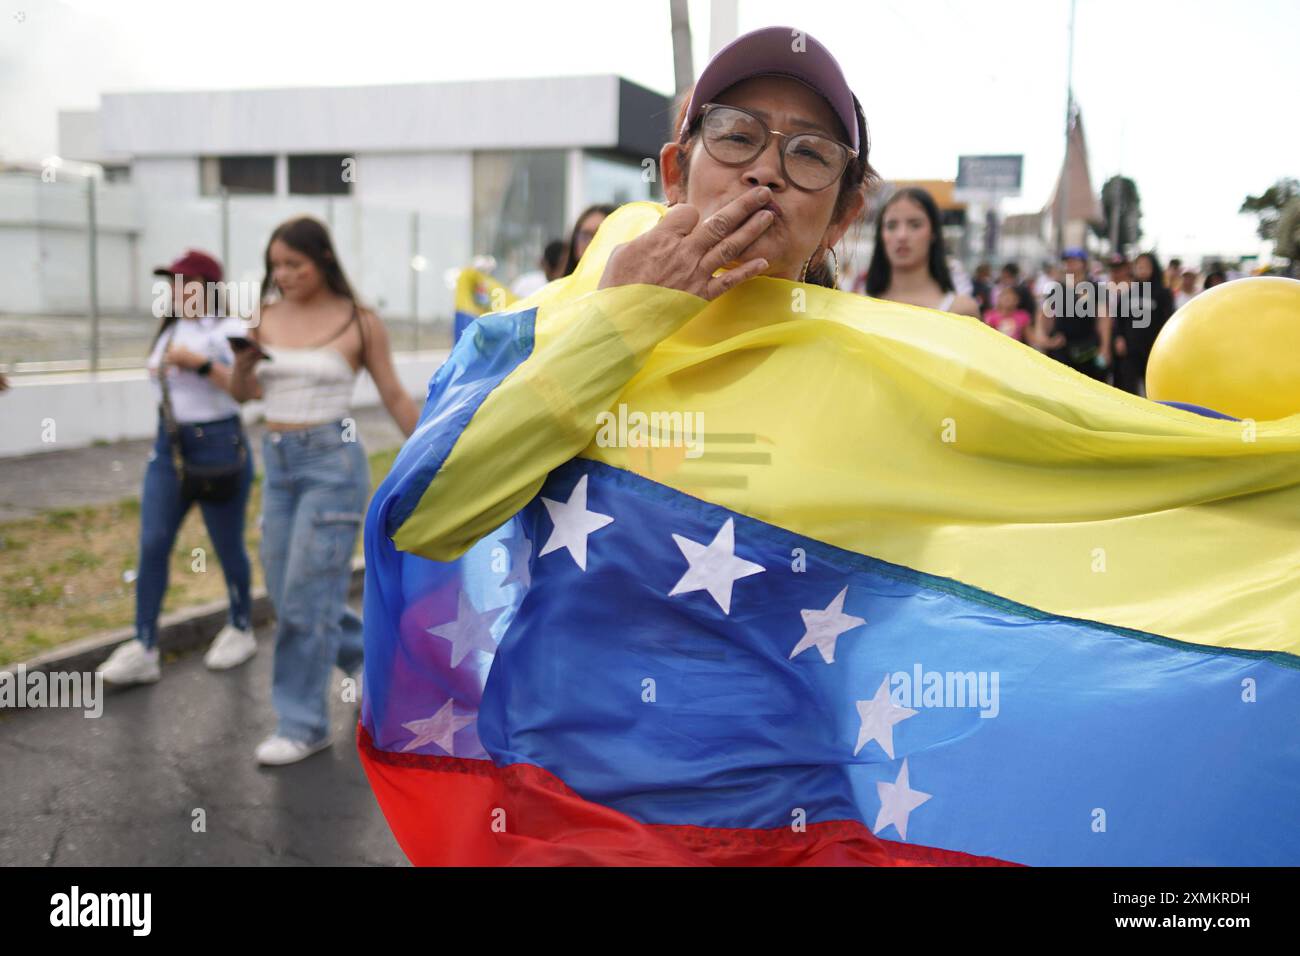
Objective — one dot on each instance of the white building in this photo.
(426, 174)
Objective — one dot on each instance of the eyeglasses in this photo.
(734, 137)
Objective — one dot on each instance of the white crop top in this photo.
(306, 386)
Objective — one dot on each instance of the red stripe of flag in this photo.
(449, 811)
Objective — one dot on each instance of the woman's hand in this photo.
(182, 357)
(682, 252)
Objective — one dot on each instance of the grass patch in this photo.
(64, 573)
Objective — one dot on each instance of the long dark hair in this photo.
(880, 273)
(858, 179)
(604, 209)
(311, 238)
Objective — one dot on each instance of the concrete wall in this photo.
(79, 410)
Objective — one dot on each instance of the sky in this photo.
(1189, 98)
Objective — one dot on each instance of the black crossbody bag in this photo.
(198, 482)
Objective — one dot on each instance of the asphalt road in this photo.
(122, 789)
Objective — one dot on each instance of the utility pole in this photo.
(1063, 196)
(683, 67)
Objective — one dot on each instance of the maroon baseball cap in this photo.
(193, 264)
(780, 51)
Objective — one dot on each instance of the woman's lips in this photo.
(776, 210)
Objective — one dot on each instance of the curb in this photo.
(178, 632)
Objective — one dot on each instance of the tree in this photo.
(1268, 205)
(1121, 209)
(1288, 233)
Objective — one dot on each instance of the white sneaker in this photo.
(278, 751)
(131, 663)
(230, 648)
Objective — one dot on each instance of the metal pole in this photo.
(93, 273)
(225, 228)
(415, 280)
(1116, 212)
(1064, 197)
(683, 67)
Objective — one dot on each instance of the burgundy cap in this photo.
(197, 264)
(783, 51)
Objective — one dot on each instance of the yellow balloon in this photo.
(1234, 348)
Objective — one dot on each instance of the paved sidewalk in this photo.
(102, 474)
(121, 789)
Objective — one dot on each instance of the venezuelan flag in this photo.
(800, 577)
(477, 293)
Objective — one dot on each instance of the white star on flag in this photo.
(878, 717)
(472, 629)
(573, 522)
(897, 801)
(714, 567)
(821, 628)
(439, 729)
(519, 547)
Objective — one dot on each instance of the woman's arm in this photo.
(965, 305)
(243, 385)
(513, 402)
(379, 363)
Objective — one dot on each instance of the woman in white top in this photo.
(313, 339)
(908, 262)
(189, 368)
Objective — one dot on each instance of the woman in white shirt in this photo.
(198, 428)
(317, 478)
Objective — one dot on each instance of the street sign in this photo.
(988, 178)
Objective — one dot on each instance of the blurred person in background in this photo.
(982, 286)
(1185, 290)
(550, 268)
(1010, 278)
(908, 260)
(584, 230)
(1136, 334)
(1007, 316)
(1072, 325)
(312, 340)
(1173, 273)
(1214, 277)
(199, 430)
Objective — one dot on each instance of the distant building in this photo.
(414, 179)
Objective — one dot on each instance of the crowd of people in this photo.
(1101, 319)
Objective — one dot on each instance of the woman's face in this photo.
(803, 219)
(293, 273)
(586, 232)
(906, 233)
(1142, 270)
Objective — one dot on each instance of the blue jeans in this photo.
(313, 503)
(162, 509)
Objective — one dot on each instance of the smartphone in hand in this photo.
(239, 343)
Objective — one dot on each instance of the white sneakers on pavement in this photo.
(131, 663)
(230, 648)
(278, 751)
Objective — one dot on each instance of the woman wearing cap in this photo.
(318, 338)
(908, 262)
(768, 170)
(199, 429)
